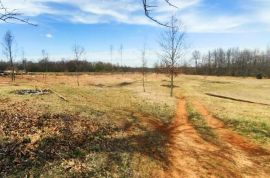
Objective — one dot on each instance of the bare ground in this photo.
(189, 155)
(252, 160)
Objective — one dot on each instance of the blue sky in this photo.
(98, 24)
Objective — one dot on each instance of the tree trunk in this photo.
(12, 65)
(143, 82)
(77, 74)
(78, 79)
(172, 84)
(196, 67)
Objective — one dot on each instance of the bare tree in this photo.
(23, 60)
(196, 55)
(24, 63)
(8, 50)
(78, 52)
(121, 59)
(148, 7)
(144, 64)
(111, 53)
(121, 54)
(172, 45)
(45, 58)
(11, 15)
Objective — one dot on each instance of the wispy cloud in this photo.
(196, 14)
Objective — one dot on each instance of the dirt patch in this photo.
(99, 85)
(122, 84)
(219, 82)
(189, 155)
(32, 92)
(235, 99)
(169, 86)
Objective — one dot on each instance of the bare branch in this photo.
(168, 2)
(148, 9)
(7, 15)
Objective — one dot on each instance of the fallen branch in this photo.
(235, 99)
(60, 96)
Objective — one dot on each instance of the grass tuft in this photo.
(201, 125)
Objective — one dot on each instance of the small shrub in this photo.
(259, 76)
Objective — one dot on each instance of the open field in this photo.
(109, 127)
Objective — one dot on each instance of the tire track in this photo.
(189, 154)
(252, 160)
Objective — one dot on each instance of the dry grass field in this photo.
(109, 127)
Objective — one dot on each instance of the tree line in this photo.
(64, 66)
(232, 62)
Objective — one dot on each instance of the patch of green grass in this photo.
(258, 131)
(78, 153)
(201, 125)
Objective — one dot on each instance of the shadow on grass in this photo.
(21, 155)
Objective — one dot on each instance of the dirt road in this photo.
(192, 156)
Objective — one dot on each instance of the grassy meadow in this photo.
(100, 131)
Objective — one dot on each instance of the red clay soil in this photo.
(190, 155)
(253, 160)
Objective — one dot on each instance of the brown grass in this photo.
(111, 128)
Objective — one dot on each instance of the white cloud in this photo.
(95, 11)
(224, 24)
(195, 16)
(49, 35)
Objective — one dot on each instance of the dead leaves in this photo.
(31, 140)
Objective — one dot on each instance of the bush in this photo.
(259, 76)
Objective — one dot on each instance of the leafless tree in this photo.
(78, 53)
(196, 55)
(8, 50)
(45, 58)
(111, 53)
(172, 45)
(121, 54)
(11, 15)
(23, 60)
(235, 62)
(121, 59)
(144, 65)
(148, 7)
(24, 63)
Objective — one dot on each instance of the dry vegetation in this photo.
(109, 127)
(250, 119)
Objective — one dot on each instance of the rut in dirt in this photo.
(189, 155)
(252, 159)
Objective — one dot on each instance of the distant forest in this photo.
(65, 66)
(233, 62)
(220, 62)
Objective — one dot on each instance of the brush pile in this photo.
(32, 92)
